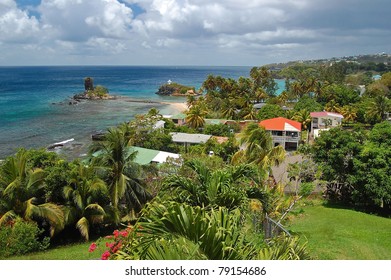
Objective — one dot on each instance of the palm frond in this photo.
(83, 226)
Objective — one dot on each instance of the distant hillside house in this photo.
(189, 138)
(284, 132)
(146, 156)
(325, 119)
(179, 119)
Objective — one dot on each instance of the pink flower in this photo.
(92, 247)
(105, 255)
(124, 233)
(109, 245)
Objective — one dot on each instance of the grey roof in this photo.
(180, 137)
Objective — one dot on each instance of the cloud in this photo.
(16, 26)
(80, 20)
(197, 31)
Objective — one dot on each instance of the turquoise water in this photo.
(34, 101)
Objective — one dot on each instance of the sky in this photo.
(189, 32)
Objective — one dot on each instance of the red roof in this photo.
(281, 124)
(325, 114)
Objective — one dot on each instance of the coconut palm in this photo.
(195, 116)
(378, 107)
(332, 106)
(250, 113)
(303, 116)
(23, 192)
(257, 148)
(228, 110)
(114, 158)
(349, 113)
(85, 194)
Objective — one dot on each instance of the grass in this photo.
(77, 251)
(331, 233)
(334, 233)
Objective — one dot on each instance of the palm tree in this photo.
(84, 194)
(195, 116)
(258, 148)
(115, 158)
(191, 100)
(378, 107)
(261, 95)
(349, 113)
(207, 188)
(303, 116)
(332, 106)
(250, 113)
(22, 195)
(228, 110)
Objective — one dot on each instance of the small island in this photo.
(93, 93)
(175, 89)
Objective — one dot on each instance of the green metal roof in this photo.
(180, 116)
(144, 156)
(215, 121)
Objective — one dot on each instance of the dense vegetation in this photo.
(202, 206)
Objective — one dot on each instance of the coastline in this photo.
(176, 107)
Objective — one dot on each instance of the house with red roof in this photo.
(325, 119)
(284, 132)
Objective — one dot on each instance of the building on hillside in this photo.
(284, 132)
(179, 119)
(146, 156)
(159, 124)
(323, 121)
(189, 138)
(215, 121)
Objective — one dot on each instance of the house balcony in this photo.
(283, 139)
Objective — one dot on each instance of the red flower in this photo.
(124, 233)
(105, 255)
(110, 245)
(116, 233)
(92, 247)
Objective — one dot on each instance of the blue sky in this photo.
(189, 32)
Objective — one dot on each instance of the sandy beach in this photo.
(176, 107)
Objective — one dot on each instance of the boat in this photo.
(59, 144)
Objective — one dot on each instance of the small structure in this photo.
(179, 119)
(325, 119)
(146, 156)
(159, 124)
(189, 138)
(215, 121)
(284, 132)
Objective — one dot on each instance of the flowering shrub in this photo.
(118, 238)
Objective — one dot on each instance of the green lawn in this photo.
(77, 251)
(343, 234)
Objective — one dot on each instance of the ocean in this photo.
(35, 110)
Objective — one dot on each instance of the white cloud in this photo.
(16, 26)
(195, 31)
(80, 20)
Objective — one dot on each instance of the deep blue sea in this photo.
(34, 101)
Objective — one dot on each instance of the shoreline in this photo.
(82, 139)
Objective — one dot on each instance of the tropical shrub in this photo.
(20, 237)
